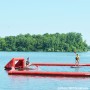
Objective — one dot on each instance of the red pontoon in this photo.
(17, 66)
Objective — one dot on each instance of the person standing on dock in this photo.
(77, 58)
(27, 61)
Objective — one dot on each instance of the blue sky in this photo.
(45, 16)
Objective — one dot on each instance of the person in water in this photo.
(77, 60)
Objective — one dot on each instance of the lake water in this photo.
(15, 82)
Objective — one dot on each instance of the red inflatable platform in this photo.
(42, 73)
(16, 67)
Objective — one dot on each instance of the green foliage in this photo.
(68, 42)
(88, 48)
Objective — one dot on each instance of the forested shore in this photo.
(65, 42)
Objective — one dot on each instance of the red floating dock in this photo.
(57, 64)
(42, 73)
(20, 64)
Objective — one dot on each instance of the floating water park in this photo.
(17, 66)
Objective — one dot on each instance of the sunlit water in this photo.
(13, 82)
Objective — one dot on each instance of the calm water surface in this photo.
(13, 82)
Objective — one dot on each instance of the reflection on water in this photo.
(47, 83)
(77, 70)
(17, 82)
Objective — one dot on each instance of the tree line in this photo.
(57, 42)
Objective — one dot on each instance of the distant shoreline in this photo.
(69, 42)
